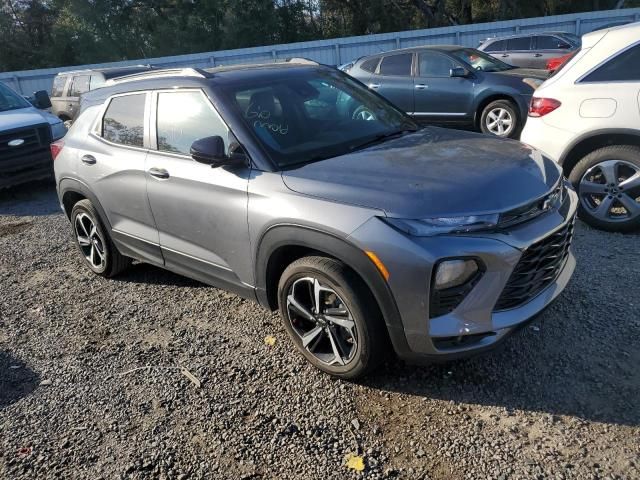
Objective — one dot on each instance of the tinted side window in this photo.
(183, 118)
(547, 42)
(623, 68)
(370, 65)
(497, 46)
(396, 64)
(435, 65)
(123, 121)
(58, 86)
(79, 85)
(519, 43)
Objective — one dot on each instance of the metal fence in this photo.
(341, 50)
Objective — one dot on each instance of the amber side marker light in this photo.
(378, 263)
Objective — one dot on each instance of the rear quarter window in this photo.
(58, 85)
(625, 67)
(123, 121)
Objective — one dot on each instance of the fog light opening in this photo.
(453, 273)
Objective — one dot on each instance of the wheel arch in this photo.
(595, 140)
(72, 191)
(492, 97)
(282, 244)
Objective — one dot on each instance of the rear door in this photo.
(519, 52)
(200, 211)
(394, 80)
(437, 95)
(113, 164)
(548, 47)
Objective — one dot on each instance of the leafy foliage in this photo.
(45, 33)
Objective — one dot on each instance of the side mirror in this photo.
(41, 99)
(458, 72)
(210, 151)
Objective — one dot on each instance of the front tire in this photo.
(331, 317)
(500, 118)
(97, 250)
(608, 184)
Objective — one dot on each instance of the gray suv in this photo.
(364, 231)
(531, 50)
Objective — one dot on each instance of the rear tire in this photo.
(345, 335)
(608, 184)
(500, 118)
(94, 243)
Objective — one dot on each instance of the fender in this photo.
(596, 133)
(291, 235)
(68, 184)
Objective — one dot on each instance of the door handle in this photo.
(158, 173)
(421, 86)
(504, 55)
(538, 55)
(374, 85)
(88, 159)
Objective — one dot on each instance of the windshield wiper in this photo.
(382, 137)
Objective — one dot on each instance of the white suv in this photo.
(587, 118)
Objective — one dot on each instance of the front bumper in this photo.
(474, 325)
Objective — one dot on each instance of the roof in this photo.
(111, 72)
(527, 34)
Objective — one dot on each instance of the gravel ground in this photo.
(559, 400)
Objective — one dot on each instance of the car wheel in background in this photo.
(95, 245)
(608, 184)
(363, 113)
(331, 317)
(500, 118)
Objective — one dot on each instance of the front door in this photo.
(200, 211)
(393, 80)
(438, 96)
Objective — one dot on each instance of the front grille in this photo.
(36, 140)
(538, 268)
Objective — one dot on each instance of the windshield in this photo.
(305, 116)
(9, 100)
(480, 60)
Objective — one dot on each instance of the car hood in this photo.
(524, 73)
(24, 117)
(433, 172)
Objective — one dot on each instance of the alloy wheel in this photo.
(364, 114)
(323, 322)
(91, 243)
(610, 191)
(499, 121)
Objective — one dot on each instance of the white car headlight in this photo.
(440, 225)
(58, 130)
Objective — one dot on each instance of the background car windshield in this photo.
(9, 100)
(311, 116)
(480, 61)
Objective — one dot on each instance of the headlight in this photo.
(58, 130)
(440, 225)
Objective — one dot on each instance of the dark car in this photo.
(68, 86)
(531, 50)
(452, 84)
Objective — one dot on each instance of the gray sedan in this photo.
(448, 84)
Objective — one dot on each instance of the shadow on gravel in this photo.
(145, 273)
(16, 380)
(30, 199)
(521, 375)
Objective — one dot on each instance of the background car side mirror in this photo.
(41, 99)
(459, 72)
(211, 151)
